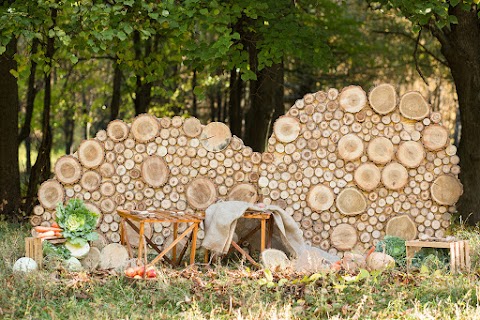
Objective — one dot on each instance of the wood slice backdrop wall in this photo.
(348, 167)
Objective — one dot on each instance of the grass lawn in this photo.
(232, 292)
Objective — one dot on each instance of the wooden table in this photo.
(266, 219)
(459, 252)
(160, 216)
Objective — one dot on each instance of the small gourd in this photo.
(379, 261)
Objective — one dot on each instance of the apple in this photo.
(151, 273)
(140, 271)
(130, 272)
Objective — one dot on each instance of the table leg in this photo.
(194, 243)
(206, 256)
(174, 243)
(140, 241)
(263, 228)
(245, 254)
(270, 232)
(174, 249)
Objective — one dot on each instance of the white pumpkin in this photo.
(352, 262)
(77, 251)
(72, 265)
(25, 265)
(380, 261)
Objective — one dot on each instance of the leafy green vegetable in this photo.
(394, 247)
(432, 258)
(78, 223)
(56, 252)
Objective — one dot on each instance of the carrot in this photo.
(336, 265)
(55, 225)
(46, 234)
(45, 229)
(58, 234)
(369, 252)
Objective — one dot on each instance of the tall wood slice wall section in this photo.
(348, 167)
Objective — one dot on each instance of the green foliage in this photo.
(427, 12)
(78, 223)
(51, 251)
(394, 247)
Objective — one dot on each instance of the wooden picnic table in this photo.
(160, 216)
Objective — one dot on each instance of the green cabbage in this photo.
(394, 247)
(78, 223)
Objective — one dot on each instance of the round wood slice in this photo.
(344, 237)
(107, 189)
(413, 106)
(192, 127)
(108, 205)
(380, 150)
(201, 193)
(145, 128)
(50, 193)
(117, 130)
(113, 256)
(91, 153)
(402, 227)
(350, 147)
(446, 189)
(410, 154)
(68, 170)
(351, 202)
(352, 99)
(383, 98)
(435, 137)
(90, 180)
(320, 198)
(367, 176)
(243, 192)
(106, 170)
(215, 136)
(286, 129)
(155, 171)
(91, 261)
(394, 176)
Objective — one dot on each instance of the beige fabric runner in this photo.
(221, 220)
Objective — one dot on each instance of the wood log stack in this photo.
(167, 163)
(352, 167)
(348, 167)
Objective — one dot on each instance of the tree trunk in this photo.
(41, 168)
(211, 98)
(116, 93)
(218, 91)
(461, 48)
(194, 96)
(235, 100)
(68, 129)
(9, 171)
(31, 93)
(266, 95)
(142, 90)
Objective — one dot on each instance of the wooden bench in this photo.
(459, 252)
(160, 216)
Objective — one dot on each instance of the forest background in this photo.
(68, 67)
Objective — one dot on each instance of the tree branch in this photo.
(415, 57)
(427, 51)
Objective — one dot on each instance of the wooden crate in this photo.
(34, 250)
(459, 252)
